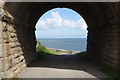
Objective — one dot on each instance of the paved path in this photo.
(62, 66)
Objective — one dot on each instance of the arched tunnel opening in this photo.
(62, 29)
(19, 41)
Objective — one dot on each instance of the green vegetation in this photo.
(44, 52)
(111, 72)
(82, 55)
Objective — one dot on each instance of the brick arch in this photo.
(19, 20)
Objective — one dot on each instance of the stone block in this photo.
(7, 74)
(6, 65)
(0, 51)
(20, 69)
(1, 65)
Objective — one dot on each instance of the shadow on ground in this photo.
(69, 62)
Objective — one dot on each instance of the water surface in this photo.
(74, 44)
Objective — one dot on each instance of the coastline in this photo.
(61, 50)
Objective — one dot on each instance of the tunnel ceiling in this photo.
(93, 13)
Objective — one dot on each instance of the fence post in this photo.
(57, 50)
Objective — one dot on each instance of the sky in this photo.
(61, 23)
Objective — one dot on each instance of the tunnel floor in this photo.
(62, 66)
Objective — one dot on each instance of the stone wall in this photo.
(19, 42)
(19, 45)
(13, 58)
(119, 36)
(108, 39)
(0, 41)
(103, 41)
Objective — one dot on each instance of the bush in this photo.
(44, 52)
(39, 43)
(41, 48)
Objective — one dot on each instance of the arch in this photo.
(63, 16)
(19, 20)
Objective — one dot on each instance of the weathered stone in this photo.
(0, 64)
(6, 64)
(0, 51)
(20, 69)
(7, 74)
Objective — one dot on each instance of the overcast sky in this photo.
(61, 23)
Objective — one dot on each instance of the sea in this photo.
(74, 44)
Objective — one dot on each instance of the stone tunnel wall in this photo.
(103, 41)
(18, 24)
(0, 42)
(18, 42)
(104, 45)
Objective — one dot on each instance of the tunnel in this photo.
(19, 40)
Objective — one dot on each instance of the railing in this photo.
(59, 50)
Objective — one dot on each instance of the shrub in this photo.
(44, 52)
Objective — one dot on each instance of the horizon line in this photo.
(63, 37)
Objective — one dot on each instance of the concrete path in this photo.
(62, 66)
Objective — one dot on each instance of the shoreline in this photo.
(61, 50)
(61, 38)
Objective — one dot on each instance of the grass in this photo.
(44, 52)
(82, 55)
(111, 72)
